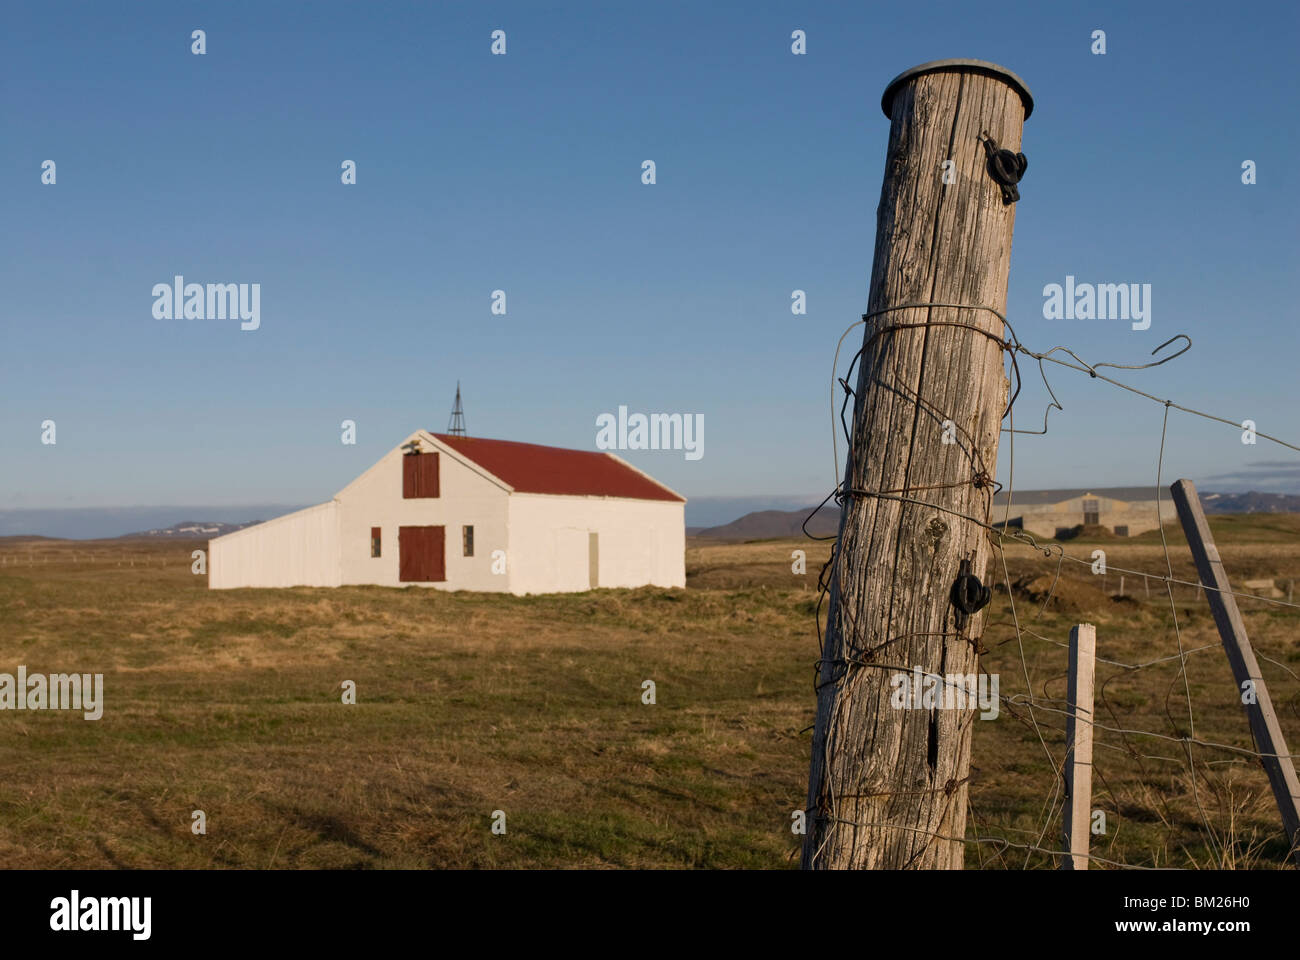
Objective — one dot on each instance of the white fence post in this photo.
(1078, 746)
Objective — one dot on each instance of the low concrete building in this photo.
(1124, 511)
(464, 513)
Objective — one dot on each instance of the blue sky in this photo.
(522, 172)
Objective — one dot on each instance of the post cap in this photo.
(963, 66)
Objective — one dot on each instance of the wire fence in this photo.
(1194, 757)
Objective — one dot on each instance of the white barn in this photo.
(464, 513)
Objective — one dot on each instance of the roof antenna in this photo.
(457, 426)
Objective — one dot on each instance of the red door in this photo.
(421, 554)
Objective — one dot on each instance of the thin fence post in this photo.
(1078, 746)
(1121, 584)
(1274, 754)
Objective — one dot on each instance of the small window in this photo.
(467, 540)
(1121, 531)
(420, 476)
(1091, 512)
(374, 541)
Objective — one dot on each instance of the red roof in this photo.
(533, 468)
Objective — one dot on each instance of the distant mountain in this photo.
(1250, 502)
(783, 524)
(190, 530)
(108, 523)
(774, 524)
(706, 511)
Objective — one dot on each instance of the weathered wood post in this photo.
(1077, 818)
(888, 784)
(1269, 740)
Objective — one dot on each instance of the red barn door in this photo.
(421, 554)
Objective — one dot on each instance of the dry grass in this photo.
(230, 702)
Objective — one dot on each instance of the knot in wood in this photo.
(936, 528)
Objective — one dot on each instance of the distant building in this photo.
(1124, 511)
(464, 513)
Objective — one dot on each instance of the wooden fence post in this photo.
(1078, 746)
(887, 786)
(1245, 669)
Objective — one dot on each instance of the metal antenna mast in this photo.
(457, 426)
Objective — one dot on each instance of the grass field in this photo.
(231, 703)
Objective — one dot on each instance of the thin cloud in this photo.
(1278, 475)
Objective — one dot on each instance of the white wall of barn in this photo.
(466, 497)
(300, 549)
(640, 542)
